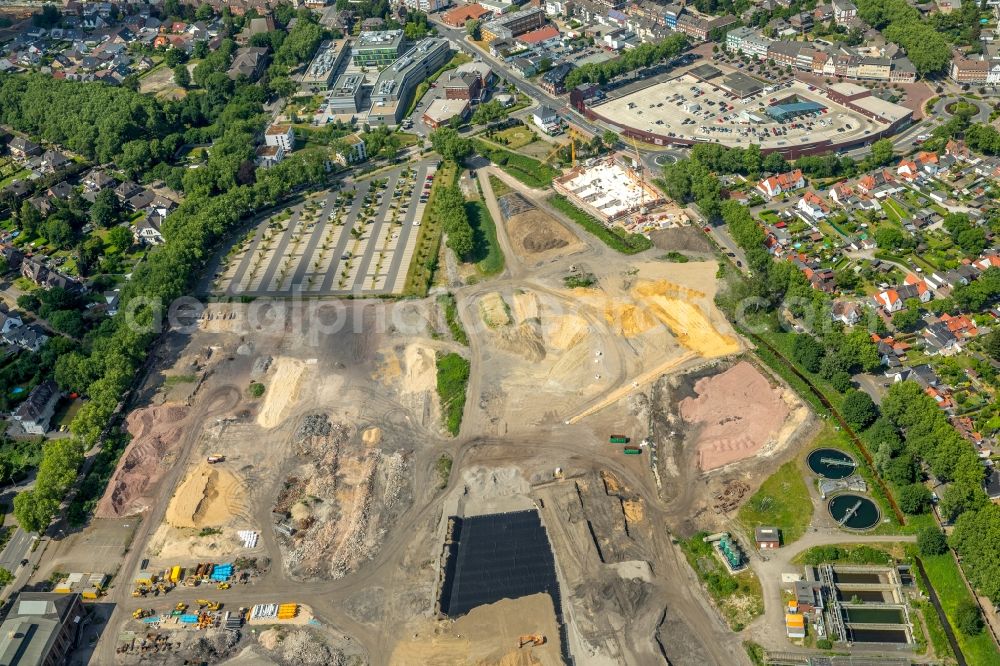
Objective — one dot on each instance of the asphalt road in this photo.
(16, 549)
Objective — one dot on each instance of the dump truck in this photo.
(215, 458)
(175, 574)
(618, 439)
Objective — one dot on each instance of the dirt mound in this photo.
(536, 235)
(739, 412)
(419, 369)
(281, 391)
(156, 431)
(628, 319)
(372, 436)
(526, 306)
(205, 497)
(681, 239)
(524, 340)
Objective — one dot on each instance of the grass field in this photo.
(782, 501)
(486, 252)
(947, 581)
(516, 137)
(500, 188)
(528, 170)
(452, 380)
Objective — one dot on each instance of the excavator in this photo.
(531, 639)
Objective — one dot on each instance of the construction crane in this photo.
(642, 176)
(572, 134)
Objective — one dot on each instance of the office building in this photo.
(377, 48)
(395, 84)
(324, 67)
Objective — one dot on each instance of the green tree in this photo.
(69, 322)
(859, 410)
(120, 239)
(881, 152)
(182, 76)
(991, 344)
(106, 210)
(807, 352)
(841, 381)
(889, 237)
(450, 144)
(472, 27)
(968, 618)
(914, 499)
(33, 511)
(960, 497)
(931, 541)
(906, 319)
(6, 577)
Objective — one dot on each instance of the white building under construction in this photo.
(608, 189)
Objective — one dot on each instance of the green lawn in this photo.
(425, 256)
(486, 252)
(947, 581)
(892, 211)
(782, 501)
(528, 170)
(516, 137)
(500, 188)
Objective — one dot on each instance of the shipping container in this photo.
(618, 439)
(631, 452)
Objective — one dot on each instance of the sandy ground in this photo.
(739, 412)
(204, 498)
(281, 390)
(487, 636)
(677, 307)
(495, 310)
(155, 432)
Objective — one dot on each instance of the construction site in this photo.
(283, 462)
(613, 191)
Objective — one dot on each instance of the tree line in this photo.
(641, 56)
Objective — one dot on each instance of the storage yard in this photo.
(325, 489)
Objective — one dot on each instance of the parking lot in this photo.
(687, 107)
(358, 240)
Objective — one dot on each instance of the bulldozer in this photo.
(139, 592)
(140, 613)
(531, 639)
(223, 586)
(181, 606)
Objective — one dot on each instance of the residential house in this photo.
(8, 321)
(97, 180)
(354, 150)
(22, 148)
(844, 11)
(61, 190)
(923, 164)
(53, 160)
(28, 337)
(127, 190)
(876, 183)
(552, 80)
(547, 120)
(939, 339)
(37, 409)
(813, 205)
(846, 312)
(249, 61)
(781, 183)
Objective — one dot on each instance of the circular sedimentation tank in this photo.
(854, 511)
(832, 463)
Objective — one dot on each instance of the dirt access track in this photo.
(540, 354)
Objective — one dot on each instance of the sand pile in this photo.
(674, 306)
(535, 235)
(739, 413)
(419, 369)
(628, 319)
(494, 310)
(486, 636)
(524, 340)
(156, 431)
(372, 436)
(282, 389)
(207, 497)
